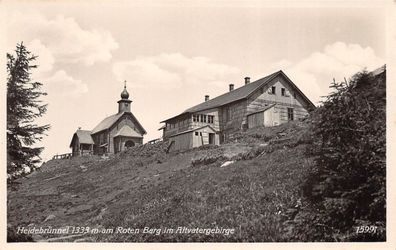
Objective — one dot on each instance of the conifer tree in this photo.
(23, 108)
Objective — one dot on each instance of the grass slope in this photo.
(144, 187)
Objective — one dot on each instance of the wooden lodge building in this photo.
(269, 101)
(114, 134)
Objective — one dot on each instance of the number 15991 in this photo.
(366, 229)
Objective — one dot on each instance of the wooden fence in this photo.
(62, 156)
(154, 141)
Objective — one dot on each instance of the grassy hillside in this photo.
(145, 187)
(322, 179)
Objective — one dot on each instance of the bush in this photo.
(348, 182)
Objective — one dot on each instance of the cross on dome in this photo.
(124, 93)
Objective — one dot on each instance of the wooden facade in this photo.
(194, 138)
(265, 117)
(82, 149)
(115, 133)
(269, 101)
(82, 143)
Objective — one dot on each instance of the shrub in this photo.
(348, 182)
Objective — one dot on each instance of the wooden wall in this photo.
(107, 136)
(199, 140)
(186, 122)
(214, 113)
(75, 145)
(271, 117)
(119, 142)
(81, 148)
(191, 140)
(232, 118)
(182, 141)
(99, 139)
(299, 112)
(124, 120)
(181, 124)
(263, 98)
(266, 118)
(256, 119)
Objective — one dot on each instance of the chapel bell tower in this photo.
(124, 105)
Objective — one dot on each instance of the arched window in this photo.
(129, 144)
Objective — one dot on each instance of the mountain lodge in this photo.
(269, 101)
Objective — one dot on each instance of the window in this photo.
(129, 144)
(210, 118)
(273, 90)
(290, 114)
(203, 118)
(196, 133)
(283, 90)
(195, 118)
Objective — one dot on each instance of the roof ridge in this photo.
(230, 96)
(243, 86)
(103, 123)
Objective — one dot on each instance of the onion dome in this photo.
(124, 93)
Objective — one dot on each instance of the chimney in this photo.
(231, 87)
(206, 98)
(247, 80)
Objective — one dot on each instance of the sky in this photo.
(173, 53)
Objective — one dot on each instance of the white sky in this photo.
(172, 54)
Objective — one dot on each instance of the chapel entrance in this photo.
(129, 144)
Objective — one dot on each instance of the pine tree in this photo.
(23, 107)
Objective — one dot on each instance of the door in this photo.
(212, 138)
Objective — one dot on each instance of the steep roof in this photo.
(84, 137)
(107, 122)
(232, 96)
(110, 120)
(238, 94)
(128, 132)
